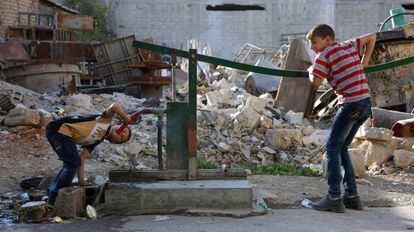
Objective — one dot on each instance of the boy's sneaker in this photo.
(352, 202)
(326, 204)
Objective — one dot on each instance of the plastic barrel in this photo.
(398, 20)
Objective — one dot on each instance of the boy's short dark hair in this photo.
(322, 31)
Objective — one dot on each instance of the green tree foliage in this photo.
(95, 9)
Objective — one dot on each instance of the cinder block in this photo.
(70, 202)
(213, 196)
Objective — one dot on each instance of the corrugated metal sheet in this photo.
(13, 52)
(64, 50)
(76, 22)
(114, 58)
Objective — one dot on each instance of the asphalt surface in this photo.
(369, 219)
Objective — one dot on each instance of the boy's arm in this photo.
(315, 80)
(116, 109)
(369, 42)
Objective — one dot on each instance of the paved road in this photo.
(371, 219)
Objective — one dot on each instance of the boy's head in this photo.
(320, 37)
(123, 137)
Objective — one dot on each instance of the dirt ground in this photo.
(281, 192)
(25, 152)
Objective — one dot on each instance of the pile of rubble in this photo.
(381, 152)
(236, 127)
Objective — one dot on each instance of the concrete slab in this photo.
(209, 196)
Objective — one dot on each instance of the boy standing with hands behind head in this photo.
(342, 65)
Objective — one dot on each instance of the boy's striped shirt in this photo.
(341, 65)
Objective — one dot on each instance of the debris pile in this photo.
(235, 127)
(381, 152)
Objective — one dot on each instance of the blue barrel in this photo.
(400, 20)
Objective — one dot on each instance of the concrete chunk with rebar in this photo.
(206, 196)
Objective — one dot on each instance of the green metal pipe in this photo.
(262, 70)
(192, 114)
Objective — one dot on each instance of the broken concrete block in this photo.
(22, 117)
(222, 84)
(283, 139)
(355, 143)
(269, 150)
(404, 143)
(229, 113)
(374, 133)
(227, 94)
(319, 137)
(293, 117)
(133, 148)
(266, 122)
(222, 118)
(277, 123)
(266, 96)
(215, 98)
(264, 160)
(375, 152)
(258, 104)
(240, 99)
(403, 158)
(308, 130)
(358, 161)
(207, 116)
(34, 211)
(70, 202)
(79, 100)
(79, 104)
(246, 153)
(223, 147)
(45, 117)
(248, 117)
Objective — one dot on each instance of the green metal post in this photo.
(192, 115)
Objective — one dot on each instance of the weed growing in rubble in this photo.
(284, 169)
(281, 168)
(202, 163)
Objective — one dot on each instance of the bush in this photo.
(95, 9)
(202, 163)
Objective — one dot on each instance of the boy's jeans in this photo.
(67, 151)
(347, 121)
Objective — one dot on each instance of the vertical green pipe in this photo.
(192, 115)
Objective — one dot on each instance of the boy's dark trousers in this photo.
(67, 151)
(347, 121)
